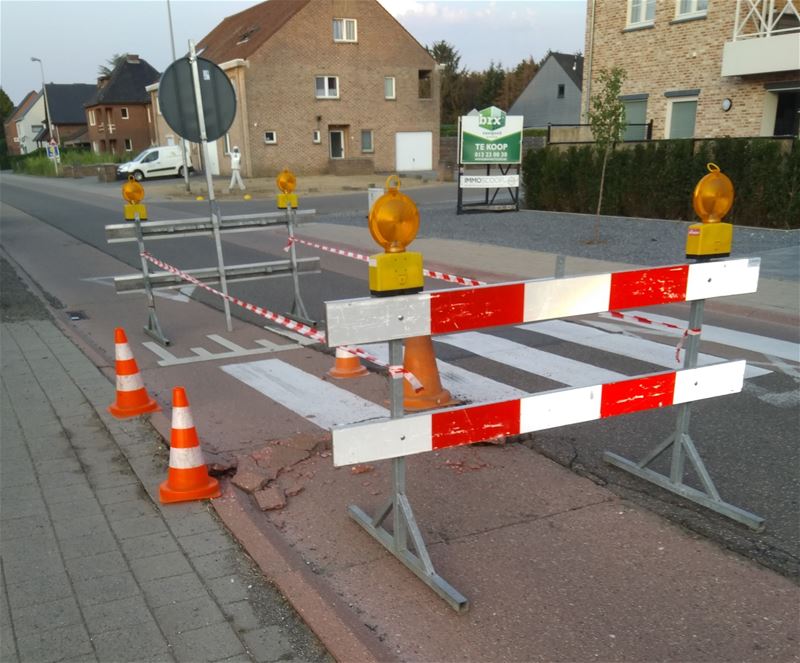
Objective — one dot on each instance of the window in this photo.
(92, 118)
(560, 90)
(425, 90)
(388, 87)
(641, 12)
(123, 112)
(635, 119)
(681, 116)
(316, 137)
(366, 140)
(692, 8)
(94, 147)
(345, 29)
(128, 145)
(270, 137)
(327, 87)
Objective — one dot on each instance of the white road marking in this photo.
(623, 344)
(723, 336)
(183, 295)
(551, 366)
(202, 354)
(461, 383)
(320, 402)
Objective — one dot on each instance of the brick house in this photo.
(10, 124)
(324, 86)
(118, 115)
(700, 68)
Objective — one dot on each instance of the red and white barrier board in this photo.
(375, 319)
(393, 438)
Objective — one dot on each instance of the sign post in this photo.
(199, 118)
(53, 153)
(494, 139)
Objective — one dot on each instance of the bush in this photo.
(38, 163)
(656, 179)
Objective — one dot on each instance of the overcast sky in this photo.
(73, 38)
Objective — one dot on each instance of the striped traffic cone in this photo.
(132, 398)
(419, 359)
(347, 365)
(188, 477)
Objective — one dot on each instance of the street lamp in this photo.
(47, 115)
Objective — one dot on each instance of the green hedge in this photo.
(38, 163)
(656, 179)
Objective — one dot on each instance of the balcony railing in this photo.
(766, 38)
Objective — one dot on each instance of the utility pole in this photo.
(183, 140)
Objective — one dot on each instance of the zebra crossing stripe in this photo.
(466, 425)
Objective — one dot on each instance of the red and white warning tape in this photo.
(647, 321)
(298, 327)
(452, 278)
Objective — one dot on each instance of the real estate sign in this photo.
(491, 137)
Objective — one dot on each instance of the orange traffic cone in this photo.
(347, 365)
(420, 360)
(132, 397)
(188, 477)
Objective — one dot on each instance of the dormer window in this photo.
(345, 29)
(245, 36)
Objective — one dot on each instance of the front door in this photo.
(336, 142)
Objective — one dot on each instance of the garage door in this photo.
(414, 150)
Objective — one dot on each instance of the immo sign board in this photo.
(492, 137)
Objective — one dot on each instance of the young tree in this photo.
(607, 119)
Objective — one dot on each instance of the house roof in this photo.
(66, 101)
(242, 34)
(23, 106)
(127, 84)
(572, 64)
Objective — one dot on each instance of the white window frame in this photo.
(316, 136)
(345, 22)
(92, 118)
(371, 141)
(393, 94)
(641, 20)
(124, 114)
(693, 11)
(128, 145)
(677, 100)
(270, 140)
(325, 95)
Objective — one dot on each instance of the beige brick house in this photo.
(700, 68)
(323, 86)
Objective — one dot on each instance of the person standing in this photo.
(236, 177)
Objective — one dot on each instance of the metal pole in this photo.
(153, 327)
(214, 206)
(298, 308)
(47, 116)
(183, 140)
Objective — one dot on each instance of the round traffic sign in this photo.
(177, 101)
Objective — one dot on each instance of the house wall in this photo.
(12, 140)
(680, 55)
(280, 91)
(35, 116)
(539, 102)
(110, 130)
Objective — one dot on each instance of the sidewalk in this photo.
(93, 568)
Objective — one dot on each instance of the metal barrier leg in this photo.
(683, 448)
(404, 523)
(299, 311)
(153, 328)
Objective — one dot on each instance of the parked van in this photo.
(155, 162)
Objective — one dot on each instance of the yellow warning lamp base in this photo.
(395, 274)
(132, 210)
(709, 240)
(287, 200)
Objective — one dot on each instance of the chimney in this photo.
(133, 58)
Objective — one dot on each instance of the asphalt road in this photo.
(751, 444)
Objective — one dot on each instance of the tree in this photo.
(607, 119)
(452, 83)
(6, 108)
(517, 79)
(492, 88)
(111, 64)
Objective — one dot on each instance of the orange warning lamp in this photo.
(286, 183)
(393, 224)
(712, 200)
(133, 194)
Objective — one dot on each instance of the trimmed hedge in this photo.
(656, 179)
(38, 163)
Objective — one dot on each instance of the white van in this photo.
(155, 162)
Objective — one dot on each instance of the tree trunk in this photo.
(600, 197)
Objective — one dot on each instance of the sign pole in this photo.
(213, 204)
